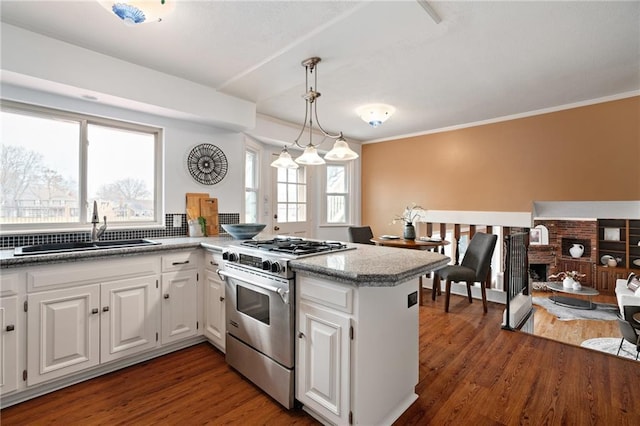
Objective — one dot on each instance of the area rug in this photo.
(610, 345)
(603, 311)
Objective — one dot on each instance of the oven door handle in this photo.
(284, 294)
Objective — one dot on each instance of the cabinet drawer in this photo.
(11, 283)
(334, 296)
(180, 261)
(87, 272)
(213, 260)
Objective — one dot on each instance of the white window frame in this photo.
(252, 147)
(348, 196)
(85, 119)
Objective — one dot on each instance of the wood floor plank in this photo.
(470, 372)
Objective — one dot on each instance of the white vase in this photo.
(576, 285)
(576, 250)
(568, 282)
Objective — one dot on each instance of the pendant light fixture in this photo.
(134, 12)
(310, 157)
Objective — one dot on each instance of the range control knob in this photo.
(266, 265)
(276, 267)
(232, 257)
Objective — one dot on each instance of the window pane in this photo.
(336, 182)
(336, 209)
(120, 173)
(250, 170)
(251, 207)
(39, 170)
(292, 213)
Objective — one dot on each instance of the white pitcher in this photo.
(576, 250)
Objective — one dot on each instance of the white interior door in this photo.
(290, 202)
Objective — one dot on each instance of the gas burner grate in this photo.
(294, 246)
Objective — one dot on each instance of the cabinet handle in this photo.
(213, 263)
(95, 311)
(11, 327)
(105, 309)
(221, 299)
(300, 335)
(180, 263)
(166, 296)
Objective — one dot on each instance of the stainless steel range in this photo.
(260, 311)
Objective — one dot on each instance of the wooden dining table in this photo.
(416, 244)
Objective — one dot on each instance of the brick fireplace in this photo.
(552, 258)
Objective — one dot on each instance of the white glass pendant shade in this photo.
(341, 152)
(310, 157)
(134, 12)
(375, 114)
(284, 161)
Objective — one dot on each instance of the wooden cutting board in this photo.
(209, 210)
(193, 203)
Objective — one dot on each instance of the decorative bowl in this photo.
(243, 231)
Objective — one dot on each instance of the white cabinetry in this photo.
(73, 329)
(11, 332)
(89, 313)
(323, 348)
(179, 296)
(214, 313)
(128, 319)
(356, 350)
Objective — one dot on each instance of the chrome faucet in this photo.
(95, 232)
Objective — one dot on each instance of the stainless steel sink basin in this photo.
(79, 246)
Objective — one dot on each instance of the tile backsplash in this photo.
(17, 240)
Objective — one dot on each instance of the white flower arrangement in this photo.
(409, 215)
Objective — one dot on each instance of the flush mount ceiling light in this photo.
(310, 157)
(375, 114)
(134, 12)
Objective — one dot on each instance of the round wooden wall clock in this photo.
(207, 164)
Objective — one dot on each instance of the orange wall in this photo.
(590, 153)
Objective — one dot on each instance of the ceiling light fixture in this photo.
(375, 114)
(134, 12)
(310, 157)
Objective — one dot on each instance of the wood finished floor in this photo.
(471, 372)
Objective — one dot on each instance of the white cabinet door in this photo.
(129, 318)
(214, 322)
(62, 334)
(8, 344)
(179, 305)
(323, 367)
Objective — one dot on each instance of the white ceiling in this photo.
(484, 60)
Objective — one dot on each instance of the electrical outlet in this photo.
(177, 221)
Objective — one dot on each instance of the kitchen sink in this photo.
(79, 246)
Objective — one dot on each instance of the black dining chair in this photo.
(630, 333)
(360, 234)
(474, 268)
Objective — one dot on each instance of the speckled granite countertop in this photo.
(8, 260)
(367, 265)
(370, 266)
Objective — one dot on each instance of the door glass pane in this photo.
(40, 170)
(291, 195)
(123, 185)
(282, 213)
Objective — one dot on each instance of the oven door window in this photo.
(254, 304)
